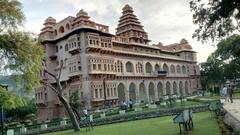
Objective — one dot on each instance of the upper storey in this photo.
(54, 31)
(129, 27)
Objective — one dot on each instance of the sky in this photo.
(165, 21)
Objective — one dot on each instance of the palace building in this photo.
(106, 69)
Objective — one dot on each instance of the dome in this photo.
(82, 13)
(50, 20)
(184, 41)
(127, 8)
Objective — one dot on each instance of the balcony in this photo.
(161, 73)
(74, 50)
(53, 57)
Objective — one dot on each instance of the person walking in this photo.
(230, 93)
(85, 112)
(225, 93)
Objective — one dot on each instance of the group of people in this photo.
(123, 105)
(227, 92)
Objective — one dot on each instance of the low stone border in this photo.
(233, 123)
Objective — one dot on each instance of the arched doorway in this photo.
(175, 88)
(151, 92)
(181, 88)
(186, 88)
(160, 89)
(132, 92)
(168, 88)
(142, 93)
(121, 93)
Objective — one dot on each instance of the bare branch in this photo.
(51, 74)
(50, 86)
(60, 70)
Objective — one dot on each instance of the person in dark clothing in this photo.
(230, 93)
(130, 103)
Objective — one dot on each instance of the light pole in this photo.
(2, 119)
(2, 116)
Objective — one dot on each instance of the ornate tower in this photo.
(129, 27)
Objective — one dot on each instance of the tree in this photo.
(224, 63)
(216, 19)
(11, 14)
(58, 89)
(21, 51)
(229, 52)
(9, 100)
(212, 72)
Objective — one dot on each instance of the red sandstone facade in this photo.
(106, 69)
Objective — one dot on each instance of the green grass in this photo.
(204, 124)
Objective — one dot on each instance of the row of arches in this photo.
(62, 29)
(149, 68)
(143, 93)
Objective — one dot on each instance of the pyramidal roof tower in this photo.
(130, 27)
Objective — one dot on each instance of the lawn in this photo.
(204, 124)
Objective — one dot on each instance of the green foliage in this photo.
(26, 111)
(11, 14)
(75, 100)
(215, 18)
(23, 53)
(224, 63)
(10, 100)
(24, 56)
(212, 71)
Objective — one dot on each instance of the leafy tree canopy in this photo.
(216, 19)
(224, 63)
(10, 100)
(22, 52)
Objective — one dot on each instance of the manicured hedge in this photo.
(122, 118)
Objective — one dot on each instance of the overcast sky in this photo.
(166, 21)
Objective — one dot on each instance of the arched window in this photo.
(139, 67)
(165, 68)
(183, 69)
(148, 67)
(67, 26)
(61, 29)
(55, 32)
(172, 68)
(129, 67)
(157, 67)
(66, 47)
(178, 69)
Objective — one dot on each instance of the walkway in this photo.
(233, 108)
(232, 118)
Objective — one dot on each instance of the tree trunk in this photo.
(70, 113)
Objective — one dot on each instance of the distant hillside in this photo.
(15, 87)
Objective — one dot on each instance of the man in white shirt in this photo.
(224, 92)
